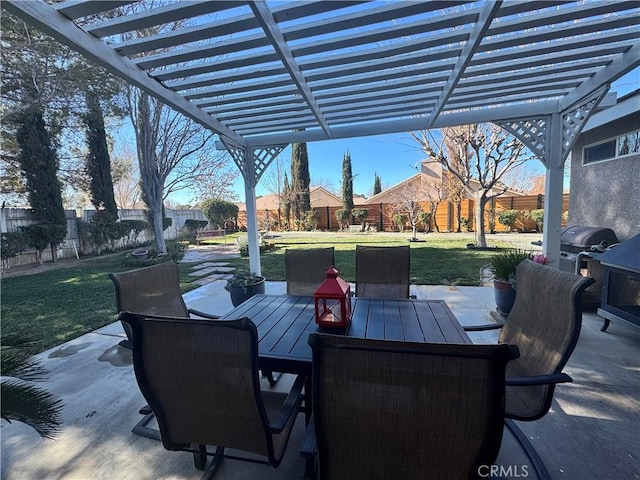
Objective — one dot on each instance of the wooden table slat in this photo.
(285, 322)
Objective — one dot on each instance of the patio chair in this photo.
(385, 409)
(153, 290)
(201, 379)
(545, 323)
(382, 272)
(306, 269)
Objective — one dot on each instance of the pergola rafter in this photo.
(263, 74)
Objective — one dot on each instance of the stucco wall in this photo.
(606, 194)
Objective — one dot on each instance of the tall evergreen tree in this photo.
(39, 163)
(347, 183)
(300, 180)
(377, 184)
(98, 163)
(286, 201)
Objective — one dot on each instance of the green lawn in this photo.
(61, 304)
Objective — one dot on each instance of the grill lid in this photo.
(581, 236)
(625, 256)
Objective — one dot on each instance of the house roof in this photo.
(263, 73)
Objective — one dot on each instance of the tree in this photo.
(377, 184)
(172, 153)
(39, 72)
(98, 163)
(218, 212)
(485, 152)
(273, 180)
(126, 179)
(39, 163)
(347, 184)
(286, 201)
(300, 179)
(406, 203)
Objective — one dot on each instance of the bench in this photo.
(202, 234)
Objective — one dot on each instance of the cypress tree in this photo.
(98, 163)
(39, 163)
(286, 201)
(377, 185)
(300, 180)
(347, 183)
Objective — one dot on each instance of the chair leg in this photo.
(271, 377)
(536, 461)
(144, 431)
(217, 459)
(200, 456)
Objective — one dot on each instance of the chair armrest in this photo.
(481, 328)
(309, 447)
(202, 314)
(538, 380)
(291, 406)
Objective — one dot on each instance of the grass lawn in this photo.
(439, 260)
(60, 304)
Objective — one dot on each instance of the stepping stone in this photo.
(209, 264)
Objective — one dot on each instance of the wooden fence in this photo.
(380, 216)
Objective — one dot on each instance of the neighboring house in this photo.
(429, 169)
(605, 170)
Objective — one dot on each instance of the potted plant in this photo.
(503, 268)
(243, 285)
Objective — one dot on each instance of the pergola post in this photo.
(553, 192)
(252, 162)
(252, 215)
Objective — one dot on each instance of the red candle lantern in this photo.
(333, 301)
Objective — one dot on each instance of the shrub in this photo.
(537, 216)
(464, 223)
(342, 216)
(424, 217)
(194, 225)
(11, 245)
(400, 220)
(136, 227)
(311, 219)
(508, 218)
(41, 235)
(219, 211)
(360, 214)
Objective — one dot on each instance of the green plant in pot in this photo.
(503, 267)
(244, 285)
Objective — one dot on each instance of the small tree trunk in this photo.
(481, 201)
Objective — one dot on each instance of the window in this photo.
(627, 144)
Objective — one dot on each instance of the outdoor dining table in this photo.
(285, 322)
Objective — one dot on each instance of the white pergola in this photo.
(264, 74)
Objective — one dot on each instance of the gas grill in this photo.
(580, 247)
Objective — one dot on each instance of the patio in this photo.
(591, 431)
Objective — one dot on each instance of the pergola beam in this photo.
(464, 59)
(272, 31)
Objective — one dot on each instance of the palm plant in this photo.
(21, 400)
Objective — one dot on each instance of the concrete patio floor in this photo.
(591, 432)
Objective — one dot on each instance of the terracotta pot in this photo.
(505, 296)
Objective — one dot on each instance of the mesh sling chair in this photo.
(201, 379)
(307, 269)
(545, 323)
(385, 409)
(382, 272)
(153, 290)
